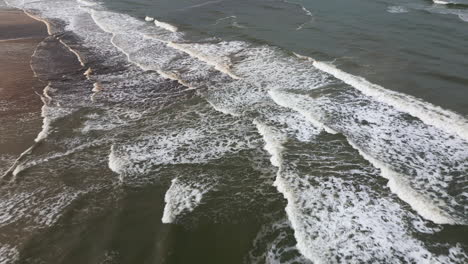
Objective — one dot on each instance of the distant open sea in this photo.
(244, 131)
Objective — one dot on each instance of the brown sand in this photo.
(20, 106)
(15, 24)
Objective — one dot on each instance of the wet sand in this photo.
(20, 104)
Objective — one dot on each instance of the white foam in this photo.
(79, 57)
(16, 161)
(46, 95)
(274, 142)
(109, 120)
(428, 113)
(149, 19)
(117, 164)
(165, 26)
(335, 221)
(270, 69)
(308, 13)
(50, 114)
(285, 101)
(249, 73)
(8, 254)
(106, 21)
(208, 137)
(222, 64)
(397, 9)
(262, 69)
(407, 139)
(88, 73)
(149, 50)
(87, 2)
(399, 185)
(456, 255)
(21, 166)
(97, 87)
(458, 9)
(183, 197)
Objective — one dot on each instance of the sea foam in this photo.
(183, 197)
(428, 113)
(165, 26)
(422, 183)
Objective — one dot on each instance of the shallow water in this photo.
(245, 132)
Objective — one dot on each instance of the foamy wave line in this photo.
(274, 141)
(430, 114)
(450, 3)
(165, 26)
(16, 162)
(277, 98)
(87, 3)
(397, 182)
(400, 186)
(224, 68)
(293, 216)
(274, 145)
(77, 54)
(164, 74)
(182, 197)
(439, 2)
(48, 116)
(22, 167)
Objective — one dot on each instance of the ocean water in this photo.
(244, 131)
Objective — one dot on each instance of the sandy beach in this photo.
(19, 102)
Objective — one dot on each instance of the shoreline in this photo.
(20, 105)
